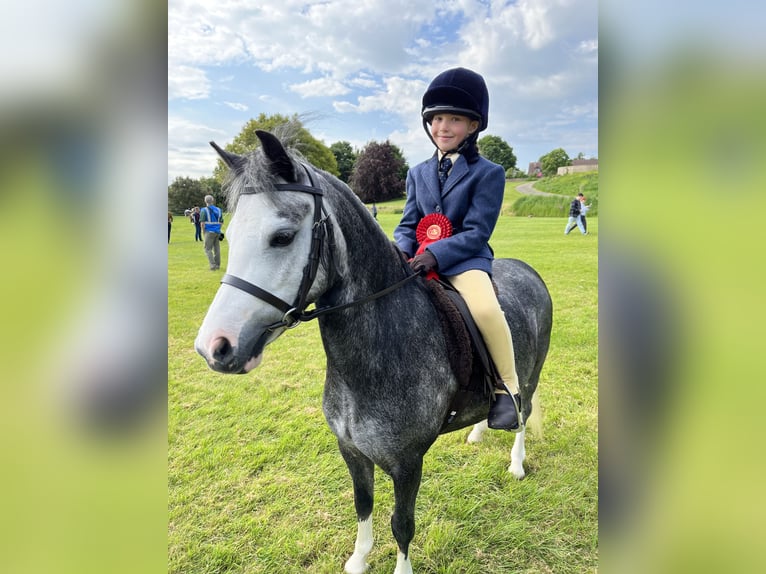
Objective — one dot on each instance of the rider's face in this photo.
(449, 130)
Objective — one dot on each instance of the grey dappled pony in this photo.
(300, 236)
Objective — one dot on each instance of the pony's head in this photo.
(277, 236)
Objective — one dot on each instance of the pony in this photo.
(299, 236)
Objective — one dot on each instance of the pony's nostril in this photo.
(221, 349)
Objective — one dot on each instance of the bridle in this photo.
(322, 231)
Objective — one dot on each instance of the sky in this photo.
(356, 70)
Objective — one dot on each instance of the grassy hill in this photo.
(565, 186)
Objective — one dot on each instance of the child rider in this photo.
(468, 189)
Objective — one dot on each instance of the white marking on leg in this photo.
(403, 565)
(478, 432)
(357, 563)
(518, 454)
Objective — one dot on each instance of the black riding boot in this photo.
(504, 412)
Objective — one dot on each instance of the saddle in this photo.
(468, 354)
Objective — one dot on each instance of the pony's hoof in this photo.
(403, 565)
(477, 433)
(474, 437)
(517, 470)
(355, 565)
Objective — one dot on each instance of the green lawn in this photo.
(256, 483)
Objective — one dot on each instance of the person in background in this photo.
(574, 215)
(211, 218)
(195, 217)
(583, 212)
(374, 210)
(170, 224)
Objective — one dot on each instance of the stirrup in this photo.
(510, 421)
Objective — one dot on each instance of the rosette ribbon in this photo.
(431, 229)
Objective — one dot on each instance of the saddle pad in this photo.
(468, 355)
(455, 332)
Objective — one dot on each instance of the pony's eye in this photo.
(282, 238)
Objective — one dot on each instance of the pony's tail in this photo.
(535, 421)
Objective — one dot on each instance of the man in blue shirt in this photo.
(211, 218)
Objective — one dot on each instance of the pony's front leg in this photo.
(363, 475)
(406, 484)
(518, 454)
(357, 564)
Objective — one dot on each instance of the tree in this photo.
(553, 160)
(185, 193)
(213, 187)
(345, 157)
(378, 173)
(495, 149)
(400, 160)
(312, 149)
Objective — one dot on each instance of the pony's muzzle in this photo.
(220, 356)
(221, 350)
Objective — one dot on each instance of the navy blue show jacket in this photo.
(471, 199)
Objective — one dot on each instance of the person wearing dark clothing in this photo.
(197, 225)
(574, 216)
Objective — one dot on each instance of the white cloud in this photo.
(321, 87)
(364, 81)
(587, 109)
(187, 83)
(201, 32)
(398, 96)
(237, 106)
(337, 37)
(588, 46)
(189, 153)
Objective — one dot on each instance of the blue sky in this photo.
(357, 70)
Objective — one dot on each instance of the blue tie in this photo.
(444, 166)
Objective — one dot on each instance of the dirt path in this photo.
(528, 189)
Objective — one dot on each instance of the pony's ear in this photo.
(232, 160)
(280, 160)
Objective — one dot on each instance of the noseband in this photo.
(322, 231)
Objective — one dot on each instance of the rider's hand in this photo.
(424, 262)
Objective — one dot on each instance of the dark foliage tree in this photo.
(184, 193)
(400, 158)
(345, 157)
(495, 149)
(378, 173)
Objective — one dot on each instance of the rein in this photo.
(295, 314)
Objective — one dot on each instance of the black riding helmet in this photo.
(457, 91)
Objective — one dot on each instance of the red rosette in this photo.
(432, 228)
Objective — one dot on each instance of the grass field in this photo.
(256, 483)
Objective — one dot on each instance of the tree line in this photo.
(376, 173)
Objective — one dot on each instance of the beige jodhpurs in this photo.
(476, 289)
